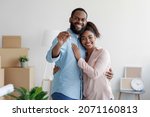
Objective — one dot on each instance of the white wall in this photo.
(123, 24)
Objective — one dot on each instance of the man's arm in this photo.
(62, 38)
(56, 50)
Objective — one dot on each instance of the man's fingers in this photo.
(63, 35)
(110, 69)
(109, 75)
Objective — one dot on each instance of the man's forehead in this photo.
(79, 14)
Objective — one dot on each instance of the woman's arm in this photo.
(100, 67)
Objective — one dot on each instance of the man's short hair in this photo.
(78, 9)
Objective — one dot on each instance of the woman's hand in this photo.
(76, 51)
(62, 37)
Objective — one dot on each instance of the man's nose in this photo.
(79, 21)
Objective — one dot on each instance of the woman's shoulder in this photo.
(103, 53)
(101, 50)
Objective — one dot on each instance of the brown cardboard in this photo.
(1, 80)
(133, 72)
(11, 41)
(10, 56)
(1, 77)
(0, 62)
(126, 84)
(20, 77)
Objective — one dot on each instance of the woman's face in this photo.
(88, 39)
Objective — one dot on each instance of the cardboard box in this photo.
(1, 77)
(11, 41)
(0, 62)
(10, 56)
(20, 77)
(1, 80)
(125, 84)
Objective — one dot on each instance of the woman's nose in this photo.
(87, 40)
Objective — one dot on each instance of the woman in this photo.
(96, 63)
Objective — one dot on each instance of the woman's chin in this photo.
(89, 47)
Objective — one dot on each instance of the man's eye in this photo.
(83, 20)
(76, 18)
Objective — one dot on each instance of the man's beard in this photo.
(72, 27)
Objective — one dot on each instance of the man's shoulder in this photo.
(72, 33)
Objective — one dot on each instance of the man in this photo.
(67, 82)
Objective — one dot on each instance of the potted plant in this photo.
(35, 93)
(23, 61)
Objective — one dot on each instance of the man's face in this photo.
(78, 22)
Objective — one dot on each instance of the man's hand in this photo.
(76, 51)
(109, 74)
(62, 37)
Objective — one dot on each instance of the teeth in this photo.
(87, 44)
(79, 26)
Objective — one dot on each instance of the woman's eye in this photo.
(82, 38)
(90, 37)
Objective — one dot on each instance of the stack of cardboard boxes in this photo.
(10, 52)
(1, 76)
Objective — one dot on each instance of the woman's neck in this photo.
(88, 53)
